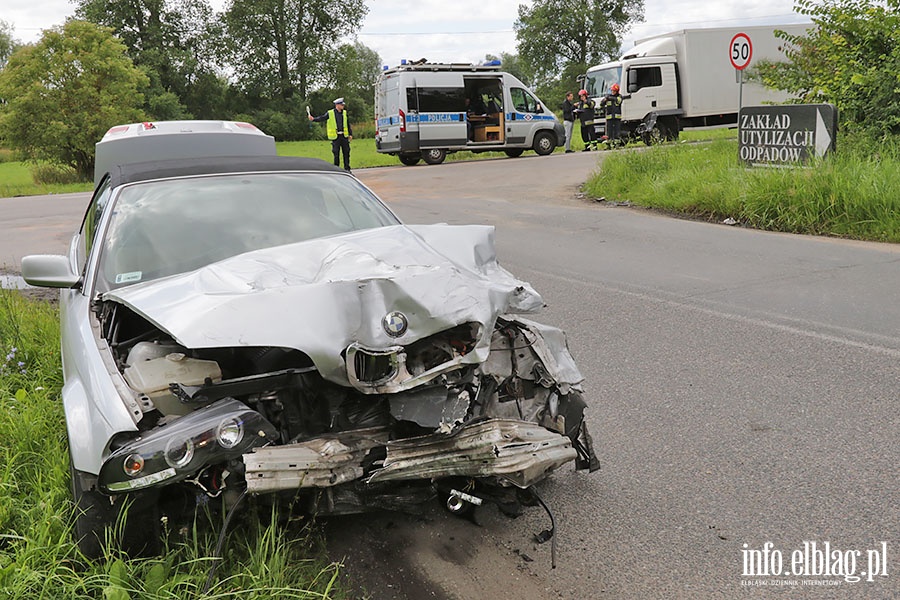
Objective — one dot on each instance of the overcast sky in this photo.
(461, 30)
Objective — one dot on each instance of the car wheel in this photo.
(544, 143)
(137, 532)
(514, 153)
(410, 160)
(435, 156)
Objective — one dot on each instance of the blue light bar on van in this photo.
(491, 63)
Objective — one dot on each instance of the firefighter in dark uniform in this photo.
(337, 127)
(584, 108)
(612, 102)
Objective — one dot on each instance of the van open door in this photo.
(485, 114)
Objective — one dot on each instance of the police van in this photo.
(425, 110)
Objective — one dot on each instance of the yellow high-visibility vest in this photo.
(331, 124)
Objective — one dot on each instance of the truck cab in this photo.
(426, 110)
(685, 79)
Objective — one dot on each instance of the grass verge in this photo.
(854, 194)
(264, 558)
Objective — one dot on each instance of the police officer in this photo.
(337, 127)
(585, 111)
(612, 102)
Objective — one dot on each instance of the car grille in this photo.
(374, 367)
(396, 368)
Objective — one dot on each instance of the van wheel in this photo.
(410, 160)
(544, 143)
(514, 153)
(435, 156)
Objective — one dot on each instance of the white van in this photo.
(425, 110)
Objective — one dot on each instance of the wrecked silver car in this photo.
(266, 325)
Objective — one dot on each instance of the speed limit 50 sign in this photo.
(740, 51)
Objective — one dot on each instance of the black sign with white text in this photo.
(786, 135)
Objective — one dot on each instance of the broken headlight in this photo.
(221, 431)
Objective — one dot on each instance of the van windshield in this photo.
(598, 82)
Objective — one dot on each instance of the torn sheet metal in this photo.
(438, 276)
(325, 461)
(542, 354)
(518, 452)
(433, 406)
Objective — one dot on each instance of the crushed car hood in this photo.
(321, 295)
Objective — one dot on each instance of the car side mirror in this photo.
(49, 270)
(539, 109)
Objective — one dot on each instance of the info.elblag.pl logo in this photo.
(828, 564)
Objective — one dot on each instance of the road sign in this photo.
(740, 51)
(782, 135)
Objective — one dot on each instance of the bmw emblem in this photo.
(395, 323)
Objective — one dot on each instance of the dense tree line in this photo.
(850, 59)
(266, 61)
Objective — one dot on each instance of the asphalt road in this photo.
(744, 390)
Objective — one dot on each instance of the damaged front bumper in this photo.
(517, 452)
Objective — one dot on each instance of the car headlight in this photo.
(223, 430)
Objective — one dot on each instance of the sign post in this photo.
(740, 51)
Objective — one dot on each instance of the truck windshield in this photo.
(597, 83)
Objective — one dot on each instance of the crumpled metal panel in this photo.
(518, 452)
(431, 406)
(548, 348)
(324, 461)
(521, 453)
(321, 295)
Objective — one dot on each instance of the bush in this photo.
(50, 173)
(364, 129)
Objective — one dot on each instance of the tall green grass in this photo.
(855, 193)
(38, 559)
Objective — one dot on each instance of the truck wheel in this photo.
(410, 160)
(435, 156)
(670, 129)
(653, 136)
(97, 519)
(515, 153)
(544, 143)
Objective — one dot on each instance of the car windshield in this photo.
(160, 228)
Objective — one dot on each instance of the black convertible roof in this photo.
(163, 169)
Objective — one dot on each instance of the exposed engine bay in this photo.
(416, 419)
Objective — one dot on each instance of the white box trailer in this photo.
(686, 79)
(422, 112)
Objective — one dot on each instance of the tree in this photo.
(282, 48)
(169, 40)
(851, 59)
(65, 92)
(8, 44)
(513, 65)
(356, 69)
(556, 36)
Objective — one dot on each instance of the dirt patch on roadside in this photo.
(434, 556)
(10, 279)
